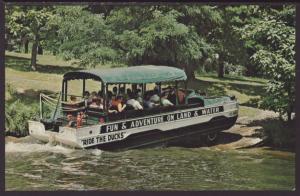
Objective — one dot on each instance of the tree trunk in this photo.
(289, 115)
(189, 70)
(249, 70)
(40, 50)
(221, 66)
(34, 53)
(221, 70)
(26, 45)
(6, 37)
(291, 105)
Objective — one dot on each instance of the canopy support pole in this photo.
(144, 88)
(66, 90)
(41, 107)
(133, 87)
(105, 88)
(63, 90)
(185, 90)
(159, 91)
(176, 92)
(83, 87)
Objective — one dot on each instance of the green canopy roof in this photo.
(134, 74)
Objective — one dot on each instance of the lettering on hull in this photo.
(103, 139)
(158, 119)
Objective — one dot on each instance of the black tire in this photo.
(211, 138)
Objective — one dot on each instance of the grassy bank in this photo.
(48, 77)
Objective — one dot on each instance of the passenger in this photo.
(134, 103)
(123, 94)
(126, 95)
(181, 96)
(165, 101)
(139, 96)
(118, 104)
(100, 96)
(128, 92)
(73, 106)
(100, 93)
(79, 119)
(157, 87)
(97, 103)
(109, 99)
(115, 91)
(172, 96)
(87, 98)
(148, 103)
(155, 98)
(73, 100)
(86, 94)
(71, 120)
(92, 96)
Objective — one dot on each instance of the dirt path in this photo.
(243, 134)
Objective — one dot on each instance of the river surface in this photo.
(35, 166)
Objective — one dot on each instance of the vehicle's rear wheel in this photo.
(211, 138)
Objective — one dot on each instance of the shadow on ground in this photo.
(234, 79)
(278, 134)
(23, 64)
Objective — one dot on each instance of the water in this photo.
(34, 166)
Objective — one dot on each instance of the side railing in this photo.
(49, 106)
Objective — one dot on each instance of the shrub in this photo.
(280, 134)
(16, 116)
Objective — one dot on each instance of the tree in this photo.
(31, 24)
(225, 39)
(159, 35)
(84, 36)
(132, 35)
(274, 36)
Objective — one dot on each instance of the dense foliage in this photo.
(250, 40)
(17, 115)
(272, 37)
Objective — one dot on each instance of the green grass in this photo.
(248, 90)
(47, 78)
(233, 79)
(41, 59)
(250, 112)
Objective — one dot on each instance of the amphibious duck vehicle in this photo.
(80, 126)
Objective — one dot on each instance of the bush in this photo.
(280, 134)
(16, 116)
(236, 70)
